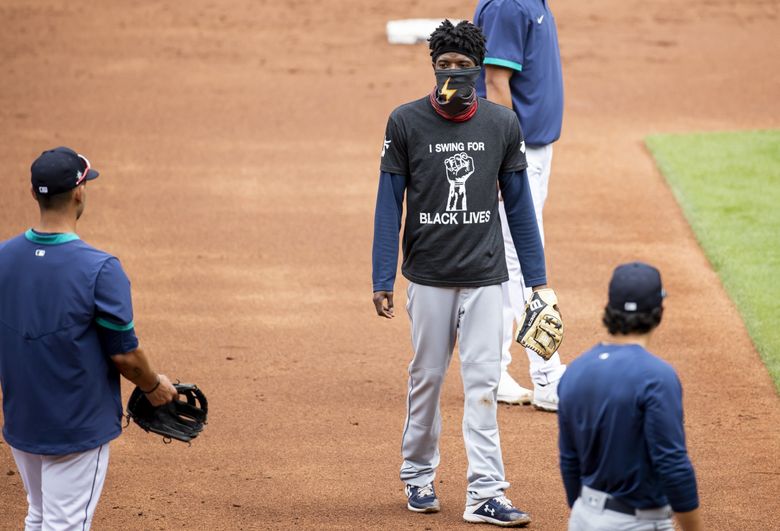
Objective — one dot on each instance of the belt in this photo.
(599, 501)
(613, 504)
(602, 500)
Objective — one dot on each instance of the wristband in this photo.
(152, 390)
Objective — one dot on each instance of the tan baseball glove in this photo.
(541, 328)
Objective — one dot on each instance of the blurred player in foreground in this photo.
(623, 457)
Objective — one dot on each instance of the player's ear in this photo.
(32, 193)
(79, 192)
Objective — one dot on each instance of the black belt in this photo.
(613, 504)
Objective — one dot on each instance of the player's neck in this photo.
(52, 221)
(629, 339)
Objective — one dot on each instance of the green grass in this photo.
(728, 185)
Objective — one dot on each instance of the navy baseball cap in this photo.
(59, 170)
(635, 287)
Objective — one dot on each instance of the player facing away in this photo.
(66, 333)
(448, 152)
(523, 72)
(623, 457)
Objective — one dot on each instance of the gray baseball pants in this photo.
(439, 316)
(589, 514)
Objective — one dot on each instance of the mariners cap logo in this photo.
(81, 175)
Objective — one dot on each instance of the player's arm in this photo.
(569, 460)
(690, 521)
(505, 25)
(387, 225)
(666, 444)
(497, 85)
(135, 366)
(116, 333)
(523, 227)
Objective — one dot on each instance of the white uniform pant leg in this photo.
(515, 295)
(30, 469)
(433, 313)
(539, 160)
(479, 343)
(68, 487)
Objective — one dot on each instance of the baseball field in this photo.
(238, 144)
(714, 177)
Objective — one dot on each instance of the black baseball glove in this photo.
(181, 419)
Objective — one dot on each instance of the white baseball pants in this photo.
(589, 514)
(516, 293)
(439, 316)
(62, 490)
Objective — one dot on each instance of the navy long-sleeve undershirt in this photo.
(518, 204)
(387, 225)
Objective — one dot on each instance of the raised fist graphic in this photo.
(459, 168)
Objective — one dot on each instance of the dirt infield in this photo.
(238, 148)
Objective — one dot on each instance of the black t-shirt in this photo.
(452, 234)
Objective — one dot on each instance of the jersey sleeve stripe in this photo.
(504, 63)
(111, 326)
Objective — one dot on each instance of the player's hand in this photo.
(383, 310)
(164, 393)
(459, 168)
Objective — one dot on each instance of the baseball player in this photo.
(523, 72)
(66, 333)
(622, 442)
(447, 152)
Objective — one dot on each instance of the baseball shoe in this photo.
(422, 499)
(510, 392)
(497, 511)
(546, 397)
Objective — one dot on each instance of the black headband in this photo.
(446, 49)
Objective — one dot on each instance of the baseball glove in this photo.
(541, 328)
(180, 419)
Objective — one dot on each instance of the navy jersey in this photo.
(621, 432)
(65, 308)
(521, 36)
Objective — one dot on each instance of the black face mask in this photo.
(456, 89)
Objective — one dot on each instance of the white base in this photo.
(412, 30)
